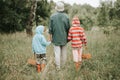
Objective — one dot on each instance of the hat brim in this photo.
(59, 9)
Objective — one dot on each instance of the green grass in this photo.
(15, 49)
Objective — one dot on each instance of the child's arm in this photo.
(33, 48)
(69, 36)
(50, 37)
(45, 42)
(83, 38)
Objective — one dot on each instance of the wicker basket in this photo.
(86, 54)
(32, 61)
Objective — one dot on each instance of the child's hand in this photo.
(50, 38)
(68, 40)
(49, 41)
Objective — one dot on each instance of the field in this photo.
(15, 49)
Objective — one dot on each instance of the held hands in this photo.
(50, 38)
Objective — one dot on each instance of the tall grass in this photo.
(15, 49)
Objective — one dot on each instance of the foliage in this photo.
(67, 8)
(86, 14)
(42, 12)
(13, 15)
(103, 15)
(109, 14)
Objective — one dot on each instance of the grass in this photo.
(15, 49)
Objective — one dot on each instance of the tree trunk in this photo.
(31, 18)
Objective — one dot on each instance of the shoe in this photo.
(38, 68)
(42, 67)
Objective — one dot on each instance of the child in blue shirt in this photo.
(39, 45)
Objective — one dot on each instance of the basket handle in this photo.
(85, 49)
(34, 56)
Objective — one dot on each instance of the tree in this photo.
(43, 12)
(116, 19)
(17, 15)
(103, 17)
(13, 15)
(109, 14)
(85, 13)
(40, 11)
(31, 18)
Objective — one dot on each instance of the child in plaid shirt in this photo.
(77, 37)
